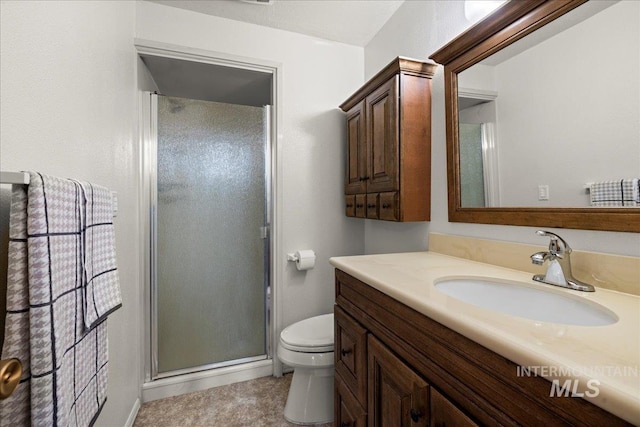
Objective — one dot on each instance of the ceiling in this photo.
(353, 22)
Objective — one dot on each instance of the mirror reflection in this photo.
(554, 119)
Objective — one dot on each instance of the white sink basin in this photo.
(528, 302)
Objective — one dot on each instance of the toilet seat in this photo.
(313, 335)
(298, 359)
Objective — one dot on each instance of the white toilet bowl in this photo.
(307, 347)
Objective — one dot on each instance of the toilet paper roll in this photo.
(306, 259)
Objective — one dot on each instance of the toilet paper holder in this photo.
(304, 259)
(293, 257)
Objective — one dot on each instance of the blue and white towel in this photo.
(623, 192)
(62, 282)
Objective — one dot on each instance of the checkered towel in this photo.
(623, 192)
(62, 282)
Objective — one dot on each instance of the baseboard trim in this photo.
(133, 414)
(175, 386)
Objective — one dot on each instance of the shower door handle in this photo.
(264, 232)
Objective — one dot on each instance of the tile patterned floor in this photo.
(256, 403)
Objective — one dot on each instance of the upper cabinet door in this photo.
(355, 181)
(383, 136)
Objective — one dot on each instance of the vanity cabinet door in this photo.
(383, 137)
(357, 153)
(348, 411)
(398, 397)
(351, 354)
(446, 414)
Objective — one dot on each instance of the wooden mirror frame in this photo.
(509, 23)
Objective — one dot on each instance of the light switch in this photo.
(543, 192)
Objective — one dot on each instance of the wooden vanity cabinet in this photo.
(389, 143)
(397, 367)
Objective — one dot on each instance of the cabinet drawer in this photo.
(372, 206)
(350, 205)
(351, 354)
(347, 410)
(388, 206)
(361, 205)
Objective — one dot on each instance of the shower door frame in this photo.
(262, 366)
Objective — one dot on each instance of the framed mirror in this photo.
(542, 102)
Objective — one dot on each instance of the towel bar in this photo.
(23, 178)
(14, 178)
(10, 373)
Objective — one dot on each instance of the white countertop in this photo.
(609, 354)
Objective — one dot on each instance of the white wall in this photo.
(417, 30)
(68, 108)
(318, 75)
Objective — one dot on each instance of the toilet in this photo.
(307, 347)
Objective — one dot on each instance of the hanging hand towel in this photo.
(101, 288)
(64, 383)
(623, 192)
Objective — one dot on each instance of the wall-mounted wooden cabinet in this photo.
(388, 173)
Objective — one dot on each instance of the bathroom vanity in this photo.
(406, 354)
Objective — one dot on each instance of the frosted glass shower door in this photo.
(211, 257)
(471, 167)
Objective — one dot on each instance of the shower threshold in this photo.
(208, 367)
(177, 384)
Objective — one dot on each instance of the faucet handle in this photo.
(557, 245)
(539, 257)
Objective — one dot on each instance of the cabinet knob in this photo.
(349, 205)
(364, 178)
(345, 351)
(415, 415)
(386, 206)
(359, 205)
(371, 205)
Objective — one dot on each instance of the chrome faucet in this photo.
(559, 268)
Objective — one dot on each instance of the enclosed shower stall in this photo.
(208, 169)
